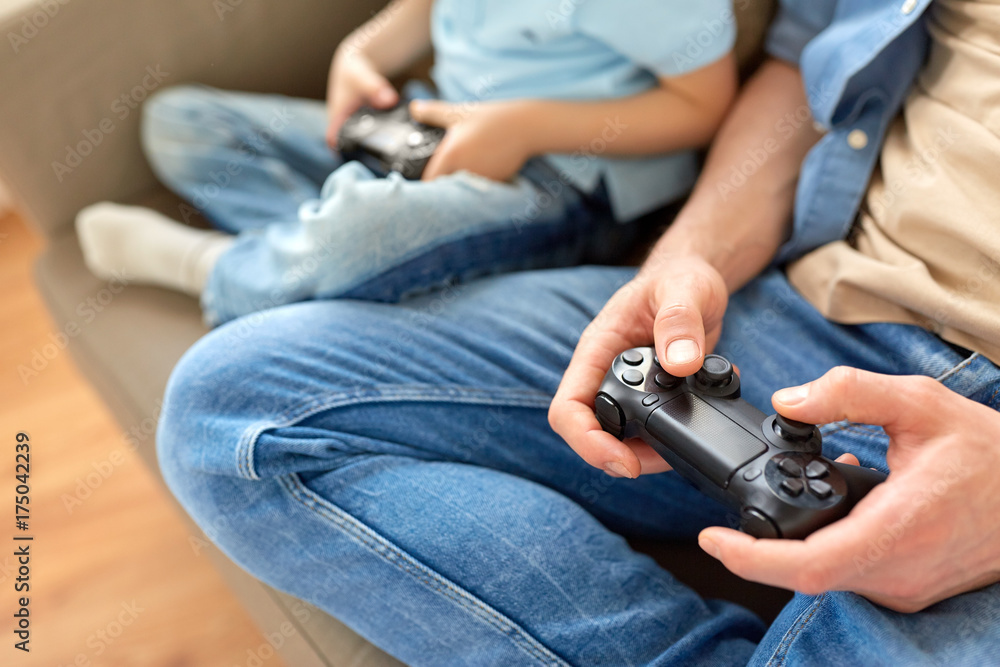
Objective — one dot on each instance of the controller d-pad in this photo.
(790, 467)
(632, 377)
(816, 470)
(792, 486)
(632, 357)
(820, 489)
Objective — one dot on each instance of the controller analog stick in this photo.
(789, 429)
(715, 372)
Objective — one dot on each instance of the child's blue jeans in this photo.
(311, 227)
(393, 465)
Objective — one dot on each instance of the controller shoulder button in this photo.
(792, 487)
(632, 357)
(650, 399)
(816, 469)
(632, 377)
(754, 522)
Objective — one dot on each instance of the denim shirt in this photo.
(858, 59)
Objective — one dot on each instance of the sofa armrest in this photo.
(73, 74)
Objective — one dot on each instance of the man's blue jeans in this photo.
(393, 465)
(313, 227)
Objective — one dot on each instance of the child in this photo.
(564, 118)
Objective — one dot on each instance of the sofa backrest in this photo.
(73, 72)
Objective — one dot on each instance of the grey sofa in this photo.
(69, 137)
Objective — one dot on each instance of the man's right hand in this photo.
(679, 301)
(354, 82)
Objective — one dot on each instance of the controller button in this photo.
(792, 487)
(754, 522)
(816, 470)
(666, 380)
(650, 399)
(632, 377)
(790, 467)
(715, 372)
(751, 474)
(820, 489)
(632, 357)
(789, 429)
(415, 139)
(608, 415)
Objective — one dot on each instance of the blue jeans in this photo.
(393, 465)
(310, 226)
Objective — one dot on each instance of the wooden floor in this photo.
(114, 579)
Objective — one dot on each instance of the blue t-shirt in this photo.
(583, 50)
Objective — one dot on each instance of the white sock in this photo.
(147, 247)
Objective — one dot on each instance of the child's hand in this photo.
(354, 82)
(485, 138)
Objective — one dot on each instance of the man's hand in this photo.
(484, 138)
(354, 82)
(928, 533)
(681, 300)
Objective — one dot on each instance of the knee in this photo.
(205, 411)
(177, 121)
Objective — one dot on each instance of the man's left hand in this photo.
(928, 533)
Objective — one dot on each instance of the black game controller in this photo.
(769, 468)
(389, 140)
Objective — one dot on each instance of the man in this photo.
(394, 465)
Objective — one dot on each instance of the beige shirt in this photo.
(926, 247)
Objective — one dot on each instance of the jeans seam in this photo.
(393, 555)
(956, 368)
(381, 394)
(781, 652)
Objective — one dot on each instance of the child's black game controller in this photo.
(769, 468)
(390, 140)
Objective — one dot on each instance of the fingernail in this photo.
(792, 395)
(682, 351)
(709, 547)
(617, 468)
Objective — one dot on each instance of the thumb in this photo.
(688, 311)
(433, 112)
(850, 394)
(376, 89)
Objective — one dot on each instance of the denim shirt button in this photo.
(909, 6)
(857, 139)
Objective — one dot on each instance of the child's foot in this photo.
(148, 247)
